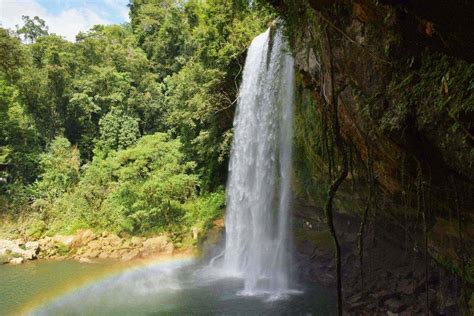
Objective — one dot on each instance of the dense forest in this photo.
(127, 129)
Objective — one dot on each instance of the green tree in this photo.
(33, 28)
(60, 169)
(162, 29)
(198, 49)
(11, 55)
(18, 144)
(149, 105)
(112, 73)
(139, 189)
(118, 130)
(44, 84)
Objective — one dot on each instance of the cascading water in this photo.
(258, 189)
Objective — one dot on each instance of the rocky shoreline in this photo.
(85, 246)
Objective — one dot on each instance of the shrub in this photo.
(140, 189)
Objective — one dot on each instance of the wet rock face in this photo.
(394, 279)
(367, 71)
(446, 25)
(390, 66)
(382, 52)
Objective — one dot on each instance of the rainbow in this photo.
(115, 268)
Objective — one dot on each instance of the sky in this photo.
(64, 17)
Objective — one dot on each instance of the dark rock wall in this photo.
(403, 73)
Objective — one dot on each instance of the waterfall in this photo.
(258, 189)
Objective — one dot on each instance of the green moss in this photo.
(320, 239)
(310, 166)
(62, 249)
(453, 265)
(36, 229)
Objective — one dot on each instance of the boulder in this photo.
(130, 255)
(18, 260)
(114, 255)
(94, 245)
(85, 260)
(122, 252)
(103, 255)
(91, 253)
(155, 244)
(169, 249)
(114, 240)
(33, 246)
(136, 241)
(18, 249)
(65, 240)
(7, 244)
(4, 255)
(28, 254)
(82, 238)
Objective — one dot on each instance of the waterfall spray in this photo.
(258, 190)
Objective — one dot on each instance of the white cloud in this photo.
(66, 23)
(120, 7)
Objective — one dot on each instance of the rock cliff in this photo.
(402, 73)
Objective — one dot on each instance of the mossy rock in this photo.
(320, 239)
(62, 249)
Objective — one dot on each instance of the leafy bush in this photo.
(202, 211)
(144, 188)
(36, 229)
(60, 165)
(118, 130)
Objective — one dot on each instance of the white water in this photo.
(258, 189)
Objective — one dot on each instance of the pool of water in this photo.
(179, 287)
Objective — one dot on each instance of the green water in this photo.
(174, 288)
(37, 281)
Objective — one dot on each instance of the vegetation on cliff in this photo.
(404, 101)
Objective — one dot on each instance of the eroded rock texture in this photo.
(403, 78)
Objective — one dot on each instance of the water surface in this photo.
(170, 288)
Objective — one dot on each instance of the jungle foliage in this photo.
(128, 128)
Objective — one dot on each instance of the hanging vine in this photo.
(421, 207)
(461, 249)
(341, 148)
(371, 184)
